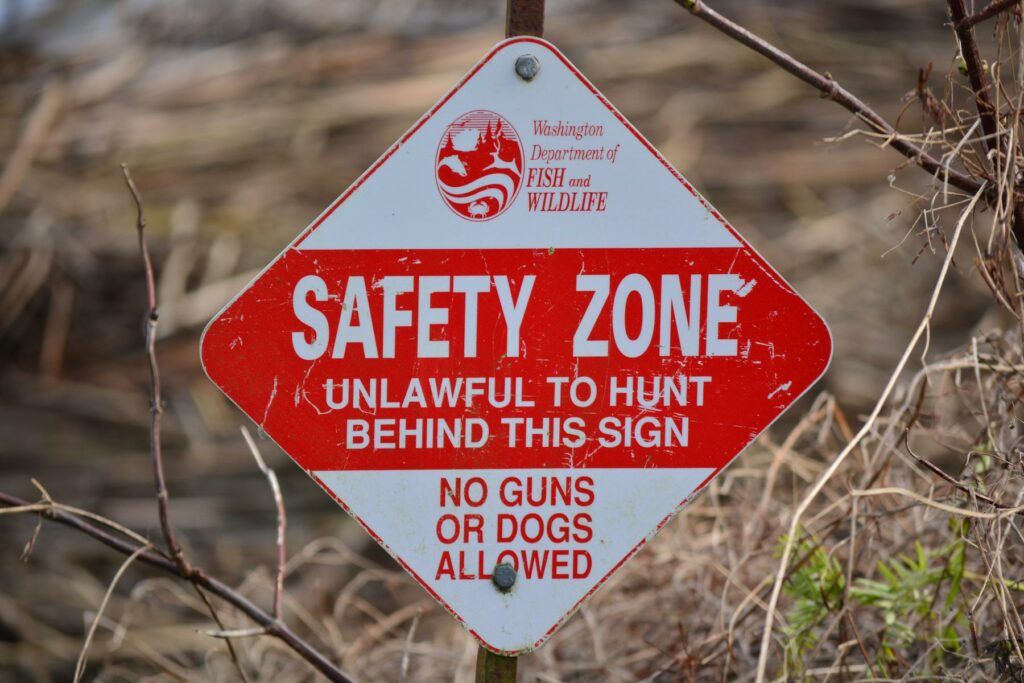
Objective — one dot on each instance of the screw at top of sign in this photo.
(504, 577)
(527, 67)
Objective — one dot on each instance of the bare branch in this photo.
(830, 89)
(274, 627)
(978, 75)
(156, 412)
(990, 11)
(976, 72)
(156, 408)
(275, 489)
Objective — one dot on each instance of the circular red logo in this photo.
(479, 165)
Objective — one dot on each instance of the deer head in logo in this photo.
(499, 163)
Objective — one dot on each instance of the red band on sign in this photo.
(353, 408)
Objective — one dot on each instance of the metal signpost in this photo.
(516, 345)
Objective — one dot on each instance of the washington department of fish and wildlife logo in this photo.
(479, 165)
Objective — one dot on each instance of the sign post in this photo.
(522, 18)
(516, 346)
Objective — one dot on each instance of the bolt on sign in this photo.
(516, 346)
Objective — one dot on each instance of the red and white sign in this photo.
(520, 337)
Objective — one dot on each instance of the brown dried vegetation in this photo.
(873, 534)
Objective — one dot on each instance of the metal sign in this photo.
(516, 345)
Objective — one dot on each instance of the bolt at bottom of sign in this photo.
(504, 577)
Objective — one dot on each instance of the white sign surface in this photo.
(521, 338)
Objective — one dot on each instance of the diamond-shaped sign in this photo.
(521, 340)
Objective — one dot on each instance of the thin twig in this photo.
(275, 489)
(964, 512)
(990, 11)
(404, 668)
(830, 89)
(47, 500)
(934, 469)
(860, 643)
(228, 634)
(21, 509)
(232, 653)
(82, 657)
(150, 557)
(156, 409)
